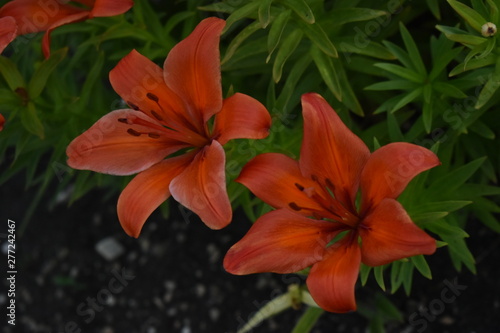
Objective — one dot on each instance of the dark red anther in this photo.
(133, 132)
(300, 187)
(294, 206)
(123, 120)
(133, 106)
(156, 115)
(314, 178)
(152, 97)
(153, 135)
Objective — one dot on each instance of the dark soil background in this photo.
(174, 280)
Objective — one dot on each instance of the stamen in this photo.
(156, 115)
(314, 178)
(294, 206)
(152, 97)
(123, 120)
(133, 132)
(153, 135)
(133, 106)
(300, 187)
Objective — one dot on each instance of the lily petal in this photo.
(192, 70)
(8, 29)
(79, 16)
(390, 168)
(281, 242)
(135, 78)
(108, 147)
(330, 150)
(241, 117)
(331, 281)
(388, 234)
(110, 7)
(276, 179)
(147, 191)
(201, 187)
(35, 16)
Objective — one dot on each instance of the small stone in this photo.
(109, 248)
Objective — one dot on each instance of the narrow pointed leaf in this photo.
(422, 266)
(248, 10)
(239, 39)
(31, 121)
(265, 13)
(289, 45)
(276, 30)
(327, 72)
(472, 17)
(400, 71)
(11, 74)
(348, 15)
(40, 77)
(412, 49)
(301, 8)
(378, 272)
(308, 320)
(319, 37)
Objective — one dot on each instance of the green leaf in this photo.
(240, 38)
(276, 31)
(400, 71)
(378, 272)
(424, 218)
(452, 180)
(308, 320)
(472, 17)
(406, 99)
(439, 206)
(493, 11)
(445, 230)
(448, 89)
(247, 10)
(413, 51)
(31, 121)
(461, 36)
(347, 15)
(289, 45)
(392, 85)
(427, 114)
(399, 53)
(487, 219)
(301, 8)
(434, 7)
(265, 13)
(483, 130)
(41, 75)
(487, 92)
(270, 309)
(364, 273)
(11, 74)
(318, 36)
(422, 266)
(387, 308)
(372, 49)
(327, 72)
(393, 128)
(473, 64)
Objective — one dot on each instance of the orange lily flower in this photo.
(2, 121)
(45, 15)
(171, 109)
(8, 29)
(315, 201)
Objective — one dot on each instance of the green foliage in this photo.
(390, 78)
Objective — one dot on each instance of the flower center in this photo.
(332, 208)
(175, 127)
